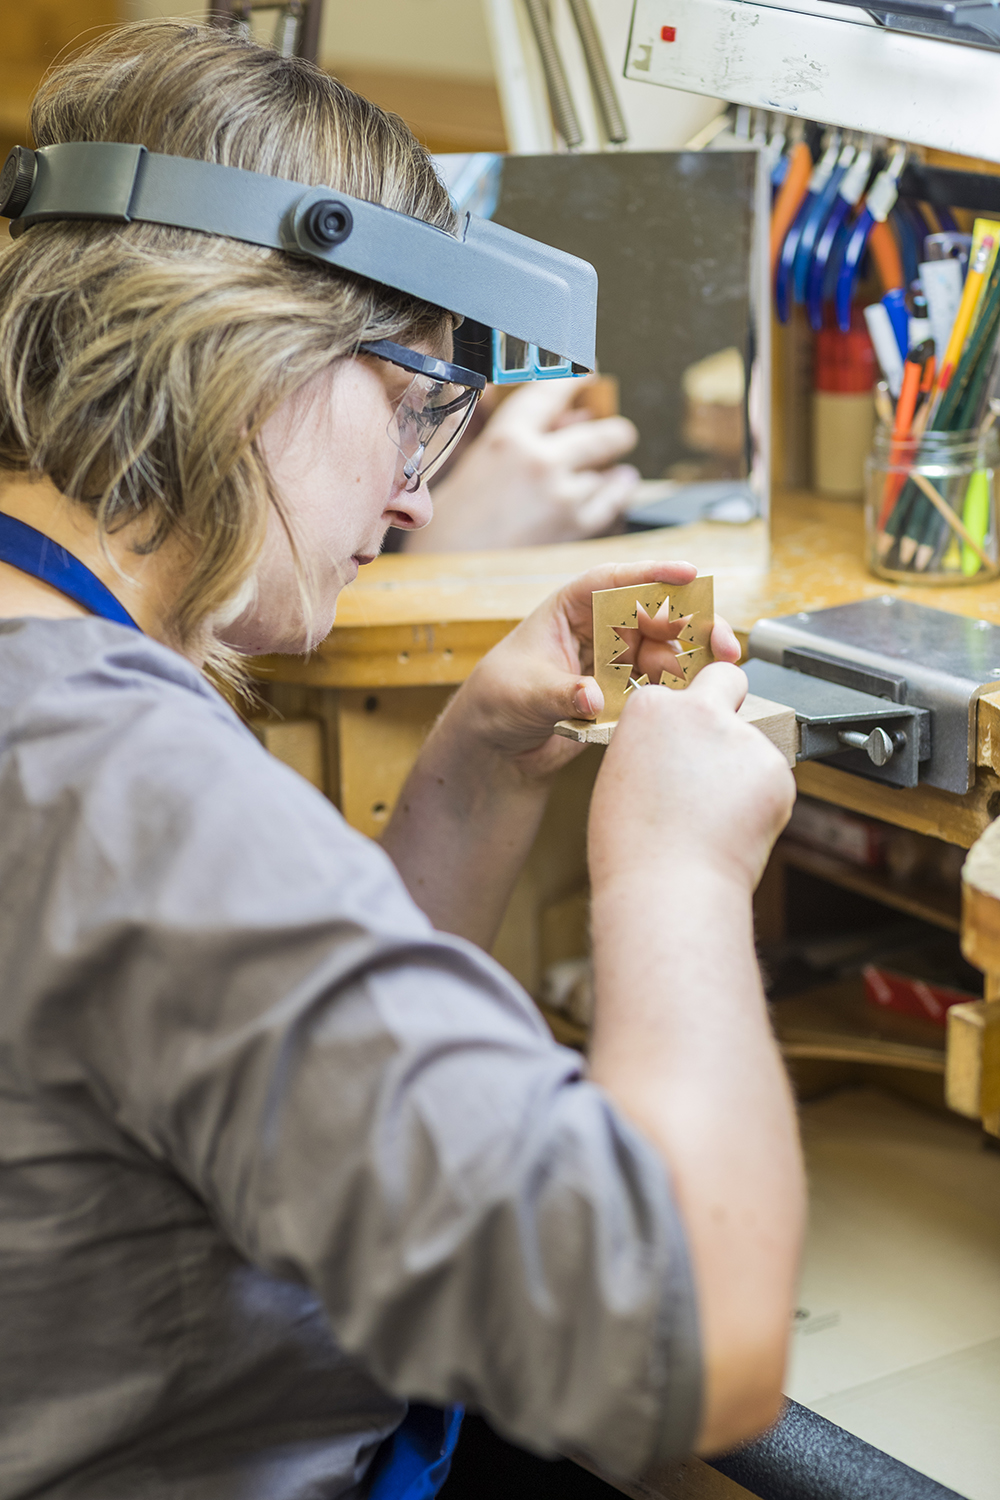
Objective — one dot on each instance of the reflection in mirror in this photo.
(679, 242)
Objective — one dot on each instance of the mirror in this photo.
(677, 240)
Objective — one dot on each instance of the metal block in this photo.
(947, 661)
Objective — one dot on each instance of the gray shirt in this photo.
(275, 1155)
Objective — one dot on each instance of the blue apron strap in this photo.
(33, 552)
(413, 1464)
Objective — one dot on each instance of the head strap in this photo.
(492, 275)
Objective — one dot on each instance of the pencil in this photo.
(913, 374)
(914, 521)
(966, 308)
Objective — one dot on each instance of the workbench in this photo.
(353, 715)
(412, 627)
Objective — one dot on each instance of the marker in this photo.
(894, 303)
(887, 353)
(976, 516)
(942, 284)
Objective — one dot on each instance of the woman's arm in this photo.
(470, 809)
(686, 807)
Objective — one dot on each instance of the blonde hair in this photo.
(139, 363)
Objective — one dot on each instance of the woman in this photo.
(281, 1149)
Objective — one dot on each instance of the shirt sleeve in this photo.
(368, 1106)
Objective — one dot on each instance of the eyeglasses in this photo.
(433, 411)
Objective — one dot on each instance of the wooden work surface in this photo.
(422, 622)
(426, 619)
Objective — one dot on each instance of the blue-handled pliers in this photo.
(879, 202)
(849, 193)
(818, 215)
(821, 174)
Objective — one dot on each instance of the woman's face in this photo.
(336, 468)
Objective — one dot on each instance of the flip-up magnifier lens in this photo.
(515, 354)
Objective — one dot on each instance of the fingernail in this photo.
(583, 703)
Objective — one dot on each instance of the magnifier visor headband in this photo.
(432, 413)
(483, 272)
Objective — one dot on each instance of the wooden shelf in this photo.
(835, 1022)
(832, 1022)
(931, 903)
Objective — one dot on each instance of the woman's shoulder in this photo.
(117, 753)
(112, 717)
(72, 662)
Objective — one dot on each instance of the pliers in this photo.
(879, 201)
(849, 194)
(818, 215)
(821, 174)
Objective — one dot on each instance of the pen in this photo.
(883, 338)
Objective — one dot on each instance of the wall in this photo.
(445, 38)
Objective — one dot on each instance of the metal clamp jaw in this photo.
(857, 730)
(884, 688)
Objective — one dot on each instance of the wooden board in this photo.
(296, 742)
(988, 730)
(834, 1022)
(930, 902)
(958, 819)
(981, 902)
(690, 1480)
(775, 720)
(972, 1076)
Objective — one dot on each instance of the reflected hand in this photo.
(540, 471)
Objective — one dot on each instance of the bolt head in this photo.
(328, 222)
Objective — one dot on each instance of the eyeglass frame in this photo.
(435, 369)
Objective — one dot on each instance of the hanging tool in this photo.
(564, 113)
(297, 29)
(879, 200)
(775, 156)
(821, 173)
(791, 195)
(601, 83)
(818, 215)
(912, 238)
(849, 193)
(563, 109)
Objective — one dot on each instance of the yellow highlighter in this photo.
(976, 516)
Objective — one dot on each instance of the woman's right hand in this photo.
(684, 779)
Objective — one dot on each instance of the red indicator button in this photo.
(668, 33)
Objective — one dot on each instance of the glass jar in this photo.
(930, 507)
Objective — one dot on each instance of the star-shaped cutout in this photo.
(631, 636)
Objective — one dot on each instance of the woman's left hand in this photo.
(541, 672)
